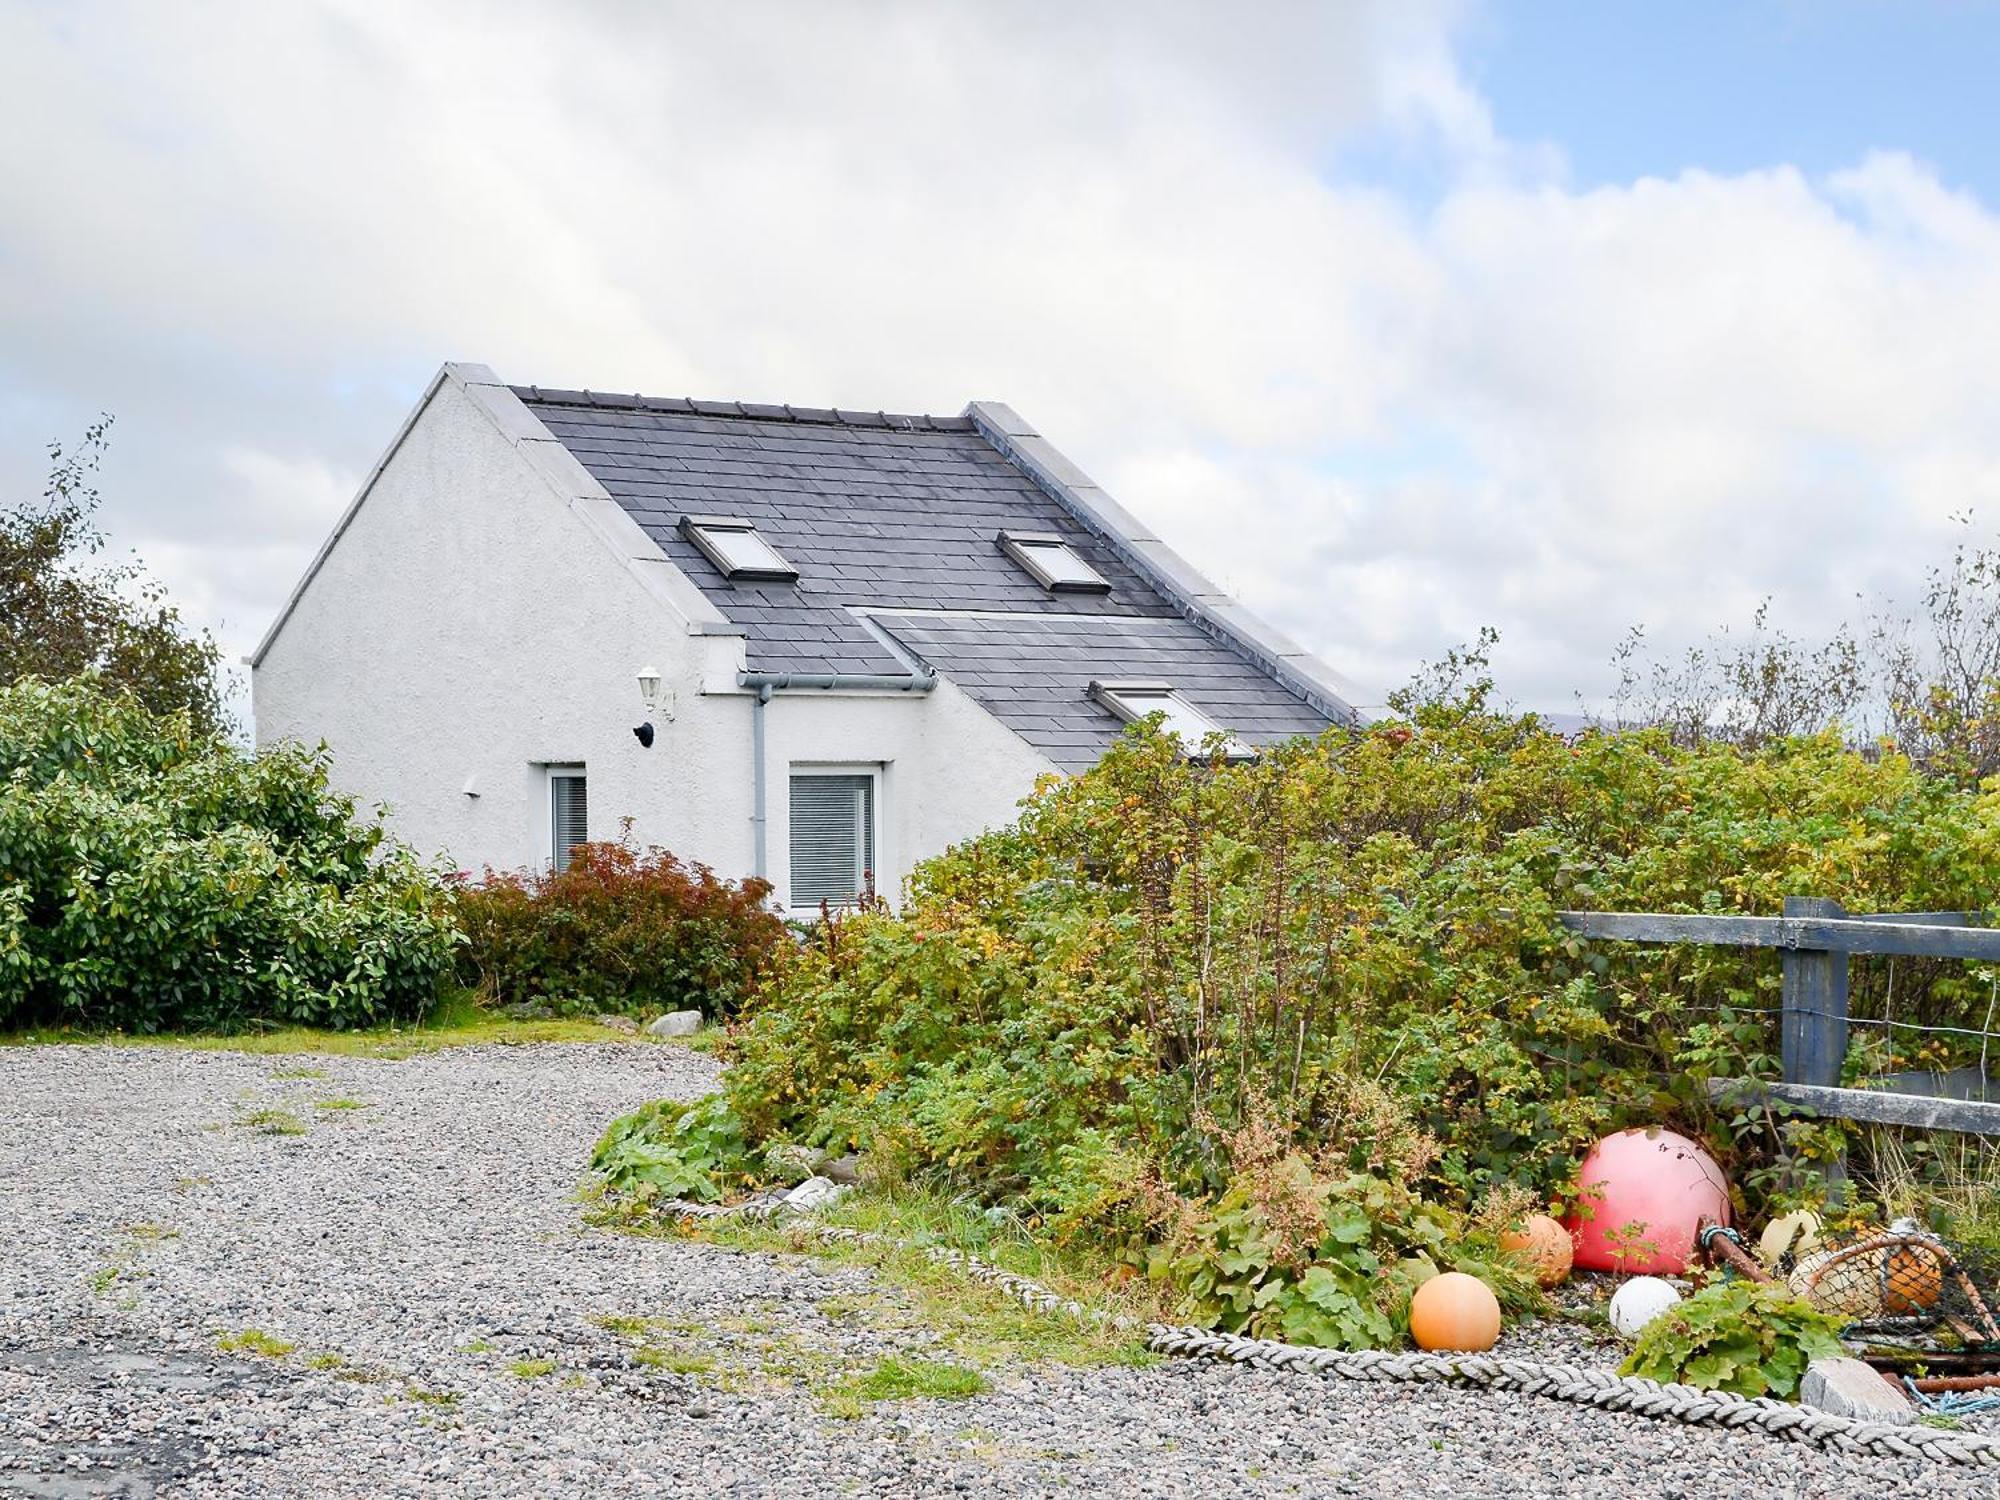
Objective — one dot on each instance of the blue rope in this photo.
(1953, 1403)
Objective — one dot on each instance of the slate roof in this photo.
(890, 513)
(1032, 672)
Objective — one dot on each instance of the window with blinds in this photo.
(569, 815)
(833, 839)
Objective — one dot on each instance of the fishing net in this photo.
(1903, 1291)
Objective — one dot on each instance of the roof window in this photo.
(736, 549)
(1133, 701)
(1052, 562)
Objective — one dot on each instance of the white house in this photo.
(856, 637)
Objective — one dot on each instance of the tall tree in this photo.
(63, 614)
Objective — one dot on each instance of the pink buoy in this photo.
(1645, 1192)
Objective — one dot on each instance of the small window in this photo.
(833, 839)
(569, 815)
(1053, 563)
(736, 549)
(1133, 701)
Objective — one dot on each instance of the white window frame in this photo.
(701, 530)
(553, 772)
(1026, 547)
(874, 771)
(1126, 700)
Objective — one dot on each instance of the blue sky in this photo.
(1631, 90)
(1401, 317)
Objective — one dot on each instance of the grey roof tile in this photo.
(1034, 674)
(893, 511)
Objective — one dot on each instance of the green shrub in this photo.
(620, 930)
(1742, 1336)
(1314, 1253)
(1093, 999)
(153, 877)
(669, 1149)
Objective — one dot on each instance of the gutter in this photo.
(764, 684)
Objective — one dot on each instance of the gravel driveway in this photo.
(456, 1330)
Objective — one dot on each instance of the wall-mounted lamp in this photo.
(649, 694)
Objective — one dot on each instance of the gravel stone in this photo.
(459, 1331)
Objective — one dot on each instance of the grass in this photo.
(977, 1322)
(958, 1329)
(275, 1121)
(899, 1379)
(678, 1361)
(531, 1369)
(1946, 1180)
(341, 1104)
(457, 1021)
(254, 1341)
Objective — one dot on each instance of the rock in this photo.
(618, 1023)
(1846, 1387)
(845, 1170)
(814, 1194)
(675, 1023)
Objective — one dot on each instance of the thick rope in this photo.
(1583, 1386)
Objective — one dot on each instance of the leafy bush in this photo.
(620, 930)
(669, 1149)
(1101, 993)
(152, 877)
(1742, 1336)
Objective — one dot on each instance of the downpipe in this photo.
(764, 684)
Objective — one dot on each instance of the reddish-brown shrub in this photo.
(620, 930)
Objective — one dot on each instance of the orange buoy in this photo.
(1544, 1245)
(1912, 1280)
(1455, 1311)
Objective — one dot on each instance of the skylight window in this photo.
(1052, 563)
(736, 549)
(1133, 701)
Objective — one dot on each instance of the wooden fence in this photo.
(1816, 938)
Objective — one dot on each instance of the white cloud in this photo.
(253, 230)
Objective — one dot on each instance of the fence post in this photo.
(1815, 997)
(1814, 1042)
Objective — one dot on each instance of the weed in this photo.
(429, 1397)
(275, 1121)
(975, 1321)
(341, 1104)
(102, 1280)
(899, 1379)
(144, 1231)
(624, 1324)
(456, 1028)
(254, 1341)
(531, 1369)
(479, 1346)
(297, 1071)
(676, 1361)
(325, 1361)
(189, 1184)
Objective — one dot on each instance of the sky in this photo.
(1399, 319)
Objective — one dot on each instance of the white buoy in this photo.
(1638, 1302)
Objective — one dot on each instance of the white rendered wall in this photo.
(948, 770)
(467, 626)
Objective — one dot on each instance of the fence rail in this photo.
(1816, 939)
